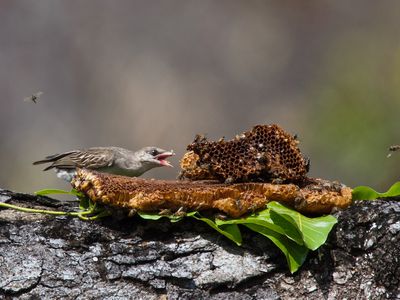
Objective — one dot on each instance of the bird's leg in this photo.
(165, 212)
(221, 216)
(181, 212)
(132, 212)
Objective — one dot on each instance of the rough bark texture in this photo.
(45, 257)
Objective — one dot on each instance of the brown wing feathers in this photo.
(53, 159)
(91, 158)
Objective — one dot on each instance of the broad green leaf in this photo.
(314, 230)
(393, 191)
(364, 193)
(231, 231)
(290, 229)
(292, 232)
(263, 218)
(367, 193)
(295, 254)
(277, 224)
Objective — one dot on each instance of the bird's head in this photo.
(154, 157)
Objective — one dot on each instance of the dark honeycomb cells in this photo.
(265, 153)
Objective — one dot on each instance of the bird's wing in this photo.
(53, 158)
(91, 158)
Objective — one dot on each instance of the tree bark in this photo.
(47, 257)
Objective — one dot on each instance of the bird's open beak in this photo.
(162, 158)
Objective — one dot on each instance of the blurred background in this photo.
(138, 73)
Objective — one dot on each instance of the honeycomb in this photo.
(264, 154)
(190, 168)
(234, 200)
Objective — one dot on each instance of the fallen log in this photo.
(46, 257)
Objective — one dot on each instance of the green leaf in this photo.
(175, 219)
(92, 205)
(231, 231)
(295, 254)
(261, 218)
(54, 191)
(293, 233)
(149, 216)
(102, 214)
(264, 219)
(367, 193)
(290, 229)
(155, 216)
(46, 192)
(314, 231)
(76, 193)
(84, 203)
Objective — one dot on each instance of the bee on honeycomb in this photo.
(264, 154)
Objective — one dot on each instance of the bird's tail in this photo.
(51, 158)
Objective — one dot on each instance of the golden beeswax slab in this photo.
(316, 196)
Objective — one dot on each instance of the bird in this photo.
(113, 160)
(33, 97)
(392, 149)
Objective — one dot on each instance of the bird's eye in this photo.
(154, 152)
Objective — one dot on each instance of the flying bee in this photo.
(393, 149)
(33, 97)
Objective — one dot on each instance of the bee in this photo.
(393, 149)
(34, 97)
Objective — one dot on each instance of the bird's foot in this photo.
(132, 212)
(181, 212)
